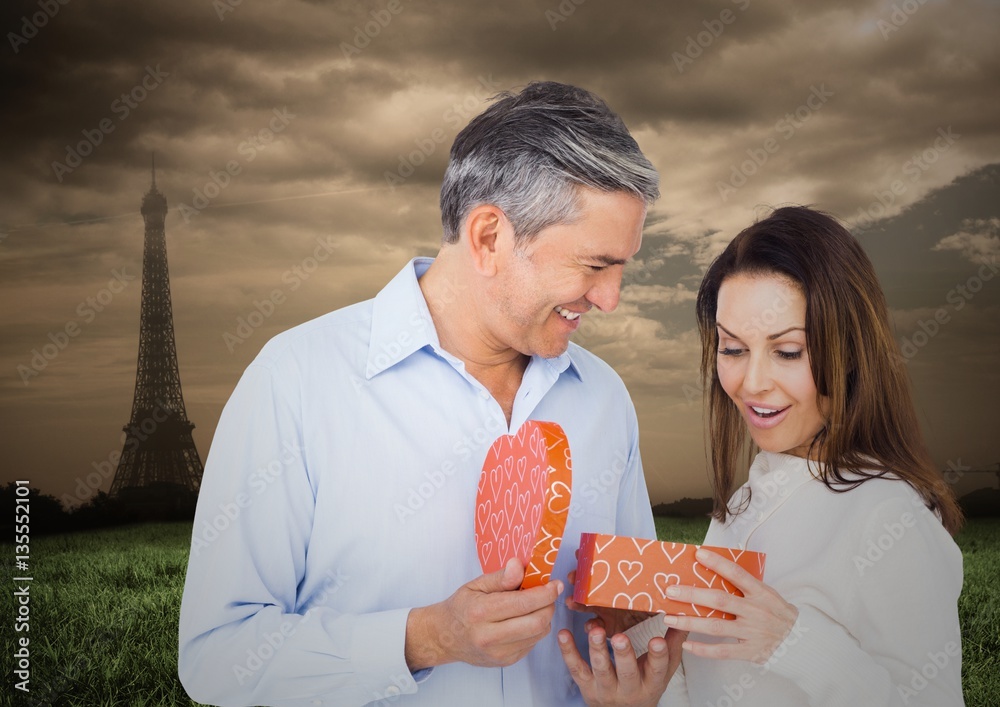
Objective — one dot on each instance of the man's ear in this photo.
(484, 226)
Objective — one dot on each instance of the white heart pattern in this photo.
(629, 570)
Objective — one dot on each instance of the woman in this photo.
(859, 600)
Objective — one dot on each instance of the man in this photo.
(342, 479)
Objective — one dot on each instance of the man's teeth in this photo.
(566, 314)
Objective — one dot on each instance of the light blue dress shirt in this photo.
(340, 491)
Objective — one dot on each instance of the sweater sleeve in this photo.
(676, 694)
(905, 648)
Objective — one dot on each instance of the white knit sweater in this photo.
(876, 580)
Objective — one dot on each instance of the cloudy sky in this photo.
(329, 123)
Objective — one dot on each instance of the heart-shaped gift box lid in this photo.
(523, 500)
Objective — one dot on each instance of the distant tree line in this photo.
(47, 515)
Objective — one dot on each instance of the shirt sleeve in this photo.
(907, 647)
(244, 640)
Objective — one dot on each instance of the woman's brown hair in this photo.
(872, 428)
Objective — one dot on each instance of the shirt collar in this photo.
(773, 478)
(792, 471)
(402, 325)
(401, 322)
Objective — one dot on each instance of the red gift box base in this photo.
(620, 572)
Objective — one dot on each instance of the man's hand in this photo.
(611, 620)
(627, 682)
(487, 622)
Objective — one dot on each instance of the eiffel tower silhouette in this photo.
(159, 472)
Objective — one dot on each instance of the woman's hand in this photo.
(763, 618)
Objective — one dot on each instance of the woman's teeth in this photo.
(566, 314)
(765, 412)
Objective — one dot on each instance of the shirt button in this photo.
(760, 515)
(484, 394)
(392, 691)
(316, 702)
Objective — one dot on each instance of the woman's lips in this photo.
(765, 420)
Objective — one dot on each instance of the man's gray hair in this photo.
(528, 154)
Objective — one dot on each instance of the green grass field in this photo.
(104, 608)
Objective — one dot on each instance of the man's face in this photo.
(544, 289)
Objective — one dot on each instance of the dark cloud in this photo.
(275, 126)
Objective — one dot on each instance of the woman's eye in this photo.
(729, 351)
(790, 355)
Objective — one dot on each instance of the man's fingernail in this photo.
(620, 644)
(597, 639)
(563, 638)
(657, 648)
(673, 591)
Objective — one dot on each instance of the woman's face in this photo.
(763, 363)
